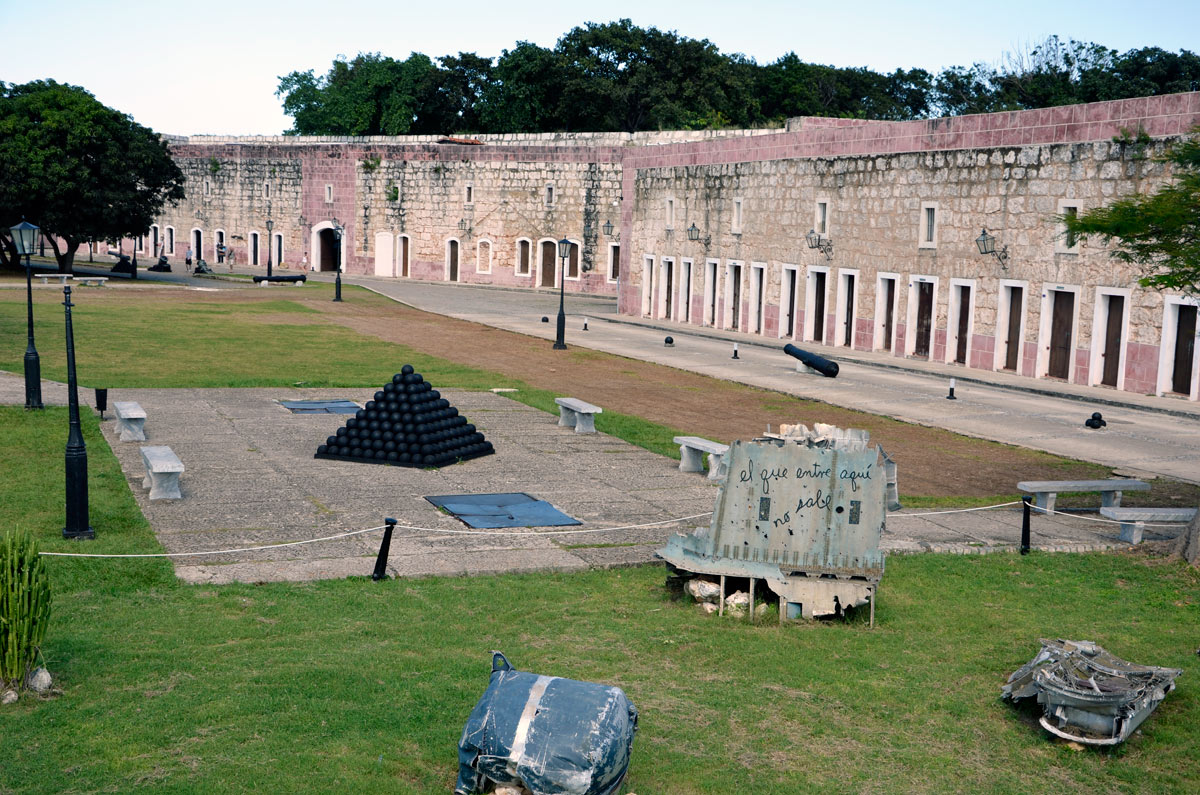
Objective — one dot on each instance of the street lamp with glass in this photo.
(564, 251)
(270, 245)
(24, 236)
(337, 244)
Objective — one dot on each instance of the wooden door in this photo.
(818, 306)
(453, 254)
(964, 323)
(924, 318)
(549, 250)
(759, 294)
(668, 284)
(790, 316)
(889, 319)
(1185, 349)
(848, 334)
(1012, 353)
(685, 291)
(1112, 340)
(1061, 318)
(735, 273)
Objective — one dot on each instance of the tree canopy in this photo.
(78, 169)
(1158, 232)
(617, 76)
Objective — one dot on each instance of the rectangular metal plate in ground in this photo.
(320, 406)
(491, 511)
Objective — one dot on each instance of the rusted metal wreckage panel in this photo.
(1087, 694)
(803, 512)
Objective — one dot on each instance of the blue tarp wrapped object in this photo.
(554, 736)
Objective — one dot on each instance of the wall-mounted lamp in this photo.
(608, 227)
(462, 224)
(693, 234)
(987, 245)
(819, 242)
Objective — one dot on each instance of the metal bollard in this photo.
(380, 572)
(1025, 525)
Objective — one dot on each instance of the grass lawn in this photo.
(352, 685)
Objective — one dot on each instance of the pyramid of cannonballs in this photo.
(408, 424)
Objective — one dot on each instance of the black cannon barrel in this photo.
(824, 366)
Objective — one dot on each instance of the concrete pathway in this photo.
(1145, 435)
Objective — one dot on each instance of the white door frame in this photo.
(952, 312)
(783, 280)
(839, 315)
(1046, 325)
(1003, 301)
(881, 309)
(1100, 333)
(1166, 350)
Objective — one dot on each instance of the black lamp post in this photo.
(76, 457)
(337, 242)
(270, 245)
(134, 260)
(24, 235)
(564, 251)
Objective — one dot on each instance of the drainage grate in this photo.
(488, 511)
(320, 406)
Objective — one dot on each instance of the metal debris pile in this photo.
(1087, 694)
(803, 511)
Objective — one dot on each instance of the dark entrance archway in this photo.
(327, 250)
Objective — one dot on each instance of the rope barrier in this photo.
(1051, 511)
(538, 533)
(214, 551)
(959, 510)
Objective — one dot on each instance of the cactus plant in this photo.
(24, 606)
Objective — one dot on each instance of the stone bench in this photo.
(577, 414)
(163, 468)
(46, 277)
(1132, 519)
(131, 421)
(1110, 490)
(692, 450)
(97, 281)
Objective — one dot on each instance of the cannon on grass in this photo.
(824, 366)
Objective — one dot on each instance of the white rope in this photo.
(1051, 511)
(215, 551)
(550, 532)
(959, 510)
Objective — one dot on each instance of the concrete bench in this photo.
(97, 281)
(577, 414)
(691, 456)
(163, 468)
(131, 421)
(1110, 490)
(46, 277)
(1132, 519)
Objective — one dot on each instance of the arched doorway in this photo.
(198, 243)
(548, 263)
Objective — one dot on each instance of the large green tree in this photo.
(78, 169)
(1157, 232)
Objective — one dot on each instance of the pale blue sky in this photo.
(213, 67)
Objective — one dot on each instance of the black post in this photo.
(270, 245)
(560, 340)
(135, 245)
(1025, 526)
(33, 365)
(76, 457)
(380, 572)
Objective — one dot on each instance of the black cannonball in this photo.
(405, 458)
(322, 449)
(356, 452)
(332, 440)
(389, 445)
(360, 414)
(487, 447)
(545, 319)
(453, 411)
(389, 388)
(470, 428)
(380, 395)
(398, 378)
(392, 456)
(426, 448)
(418, 459)
(433, 393)
(406, 369)
(370, 407)
(373, 425)
(417, 378)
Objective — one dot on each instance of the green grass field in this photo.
(359, 686)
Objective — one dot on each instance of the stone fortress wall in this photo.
(902, 204)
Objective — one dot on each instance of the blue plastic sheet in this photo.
(554, 736)
(491, 511)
